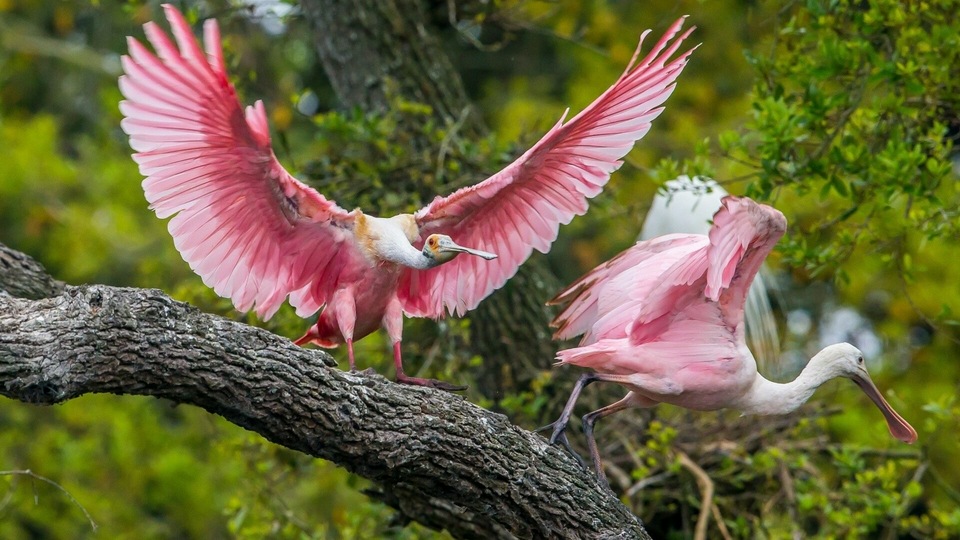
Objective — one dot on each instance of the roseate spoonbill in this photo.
(257, 235)
(665, 319)
(688, 207)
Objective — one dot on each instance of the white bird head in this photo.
(440, 248)
(845, 360)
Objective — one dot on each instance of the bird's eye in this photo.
(860, 360)
(433, 241)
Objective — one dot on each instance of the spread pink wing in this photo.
(742, 235)
(249, 229)
(522, 207)
(603, 302)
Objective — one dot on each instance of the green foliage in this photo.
(851, 130)
(793, 483)
(82, 215)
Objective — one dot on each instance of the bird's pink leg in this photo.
(560, 425)
(591, 418)
(353, 363)
(393, 323)
(346, 313)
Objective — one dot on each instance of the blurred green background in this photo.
(842, 114)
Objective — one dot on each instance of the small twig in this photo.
(904, 288)
(875, 452)
(944, 485)
(720, 524)
(448, 138)
(786, 482)
(771, 502)
(706, 494)
(455, 23)
(648, 481)
(575, 40)
(6, 498)
(35, 476)
(617, 474)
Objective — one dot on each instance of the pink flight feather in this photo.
(239, 219)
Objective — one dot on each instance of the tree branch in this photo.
(438, 458)
(24, 277)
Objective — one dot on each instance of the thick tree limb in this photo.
(438, 458)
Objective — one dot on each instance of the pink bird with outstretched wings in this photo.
(665, 320)
(258, 236)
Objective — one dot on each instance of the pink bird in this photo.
(665, 320)
(258, 236)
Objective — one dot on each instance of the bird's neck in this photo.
(768, 397)
(389, 239)
(407, 255)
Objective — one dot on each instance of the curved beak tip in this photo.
(899, 428)
(904, 433)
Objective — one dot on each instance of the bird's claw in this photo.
(565, 443)
(559, 437)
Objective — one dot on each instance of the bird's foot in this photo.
(430, 383)
(559, 436)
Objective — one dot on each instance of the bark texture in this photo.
(366, 45)
(24, 277)
(437, 458)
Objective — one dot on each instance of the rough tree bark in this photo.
(437, 458)
(363, 44)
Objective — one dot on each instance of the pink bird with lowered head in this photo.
(665, 320)
(258, 236)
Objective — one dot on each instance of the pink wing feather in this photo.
(603, 302)
(742, 235)
(522, 207)
(252, 232)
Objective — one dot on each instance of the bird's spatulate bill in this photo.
(457, 248)
(899, 428)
